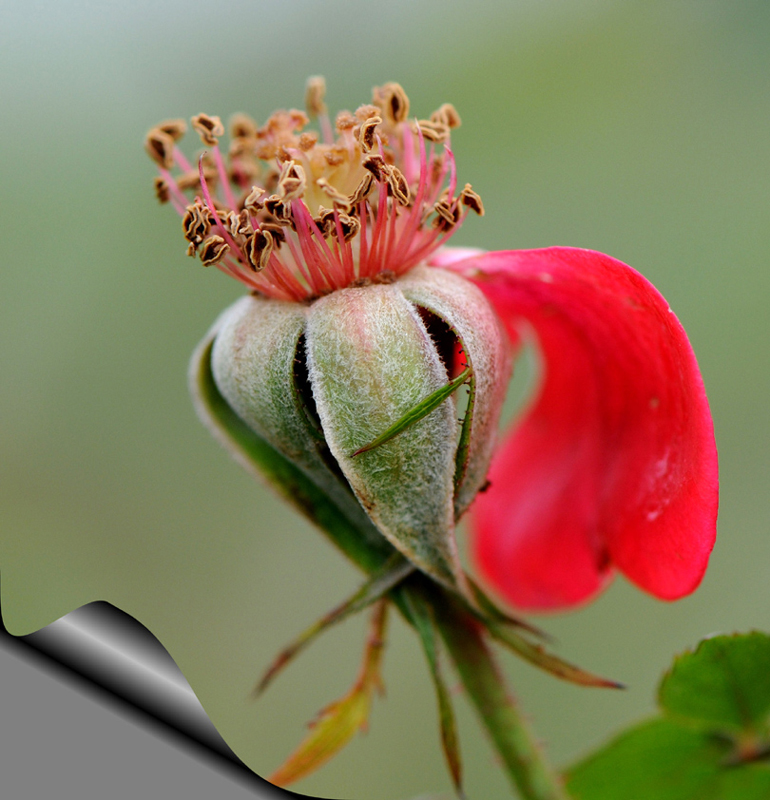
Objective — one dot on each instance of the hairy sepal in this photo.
(463, 307)
(371, 361)
(252, 361)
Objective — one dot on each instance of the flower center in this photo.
(296, 214)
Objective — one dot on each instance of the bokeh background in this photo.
(641, 129)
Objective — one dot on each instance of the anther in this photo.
(297, 119)
(367, 111)
(434, 131)
(447, 115)
(266, 151)
(242, 126)
(161, 190)
(160, 147)
(448, 214)
(363, 190)
(237, 224)
(472, 200)
(375, 164)
(368, 132)
(213, 250)
(259, 249)
(208, 128)
(325, 221)
(398, 186)
(334, 194)
(336, 156)
(275, 206)
(252, 203)
(277, 230)
(292, 181)
(196, 223)
(350, 227)
(392, 99)
(175, 128)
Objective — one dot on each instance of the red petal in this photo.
(615, 461)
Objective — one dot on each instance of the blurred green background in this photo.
(641, 129)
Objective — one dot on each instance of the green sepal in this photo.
(468, 314)
(539, 657)
(345, 524)
(395, 570)
(336, 724)
(422, 619)
(371, 360)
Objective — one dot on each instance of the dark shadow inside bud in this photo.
(304, 390)
(450, 351)
(448, 346)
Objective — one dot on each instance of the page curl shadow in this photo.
(107, 654)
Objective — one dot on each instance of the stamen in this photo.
(398, 185)
(433, 131)
(360, 239)
(368, 131)
(307, 141)
(213, 249)
(162, 192)
(260, 248)
(175, 128)
(392, 99)
(452, 170)
(160, 147)
(375, 163)
(334, 194)
(447, 115)
(252, 202)
(223, 179)
(179, 200)
(208, 128)
(472, 200)
(292, 182)
(362, 191)
(242, 126)
(315, 92)
(212, 208)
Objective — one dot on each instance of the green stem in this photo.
(524, 761)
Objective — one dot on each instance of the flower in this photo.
(362, 324)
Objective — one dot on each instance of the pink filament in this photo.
(390, 237)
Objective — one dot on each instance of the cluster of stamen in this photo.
(294, 215)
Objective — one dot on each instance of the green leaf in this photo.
(712, 741)
(661, 760)
(724, 684)
(422, 409)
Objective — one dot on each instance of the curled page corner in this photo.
(111, 656)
